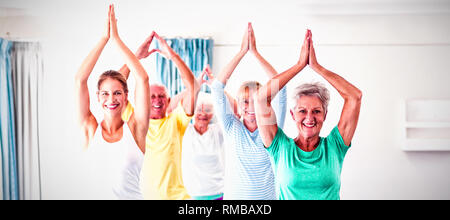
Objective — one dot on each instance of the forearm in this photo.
(266, 65)
(132, 63)
(276, 83)
(231, 66)
(186, 74)
(125, 71)
(345, 89)
(189, 81)
(89, 62)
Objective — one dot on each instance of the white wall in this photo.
(391, 51)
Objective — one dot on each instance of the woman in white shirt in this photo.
(115, 147)
(203, 154)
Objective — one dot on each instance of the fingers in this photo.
(307, 37)
(251, 40)
(245, 41)
(158, 37)
(154, 50)
(209, 71)
(113, 21)
(109, 13)
(112, 13)
(150, 38)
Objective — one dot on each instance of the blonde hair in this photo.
(248, 86)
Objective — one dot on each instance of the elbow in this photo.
(261, 96)
(196, 87)
(79, 81)
(358, 95)
(145, 79)
(354, 97)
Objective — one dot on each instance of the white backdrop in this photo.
(391, 51)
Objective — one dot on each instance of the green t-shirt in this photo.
(301, 175)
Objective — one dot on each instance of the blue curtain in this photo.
(196, 53)
(10, 185)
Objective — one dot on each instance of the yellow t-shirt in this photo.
(161, 170)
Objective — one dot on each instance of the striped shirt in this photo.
(248, 170)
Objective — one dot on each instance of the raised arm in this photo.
(265, 115)
(188, 78)
(139, 120)
(352, 97)
(252, 47)
(178, 97)
(225, 74)
(86, 119)
(142, 52)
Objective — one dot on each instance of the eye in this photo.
(104, 93)
(317, 111)
(117, 93)
(302, 111)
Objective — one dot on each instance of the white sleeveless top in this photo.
(115, 167)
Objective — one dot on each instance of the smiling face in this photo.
(112, 97)
(309, 116)
(159, 101)
(203, 114)
(247, 105)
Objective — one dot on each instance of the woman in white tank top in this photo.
(116, 147)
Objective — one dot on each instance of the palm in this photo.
(143, 51)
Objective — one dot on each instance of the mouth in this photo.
(251, 113)
(157, 106)
(112, 106)
(309, 124)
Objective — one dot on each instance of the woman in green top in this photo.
(309, 166)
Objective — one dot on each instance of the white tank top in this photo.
(116, 167)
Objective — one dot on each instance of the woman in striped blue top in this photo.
(248, 173)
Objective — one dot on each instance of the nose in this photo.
(251, 107)
(309, 116)
(110, 98)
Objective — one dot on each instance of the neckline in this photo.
(118, 141)
(309, 152)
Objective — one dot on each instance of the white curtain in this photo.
(27, 71)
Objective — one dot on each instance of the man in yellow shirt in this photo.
(161, 171)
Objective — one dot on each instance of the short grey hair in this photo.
(161, 86)
(204, 98)
(312, 89)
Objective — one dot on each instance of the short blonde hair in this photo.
(248, 86)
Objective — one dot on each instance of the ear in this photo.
(168, 101)
(292, 114)
(98, 96)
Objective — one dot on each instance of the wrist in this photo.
(104, 39)
(301, 65)
(172, 55)
(317, 67)
(116, 39)
(255, 52)
(241, 53)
